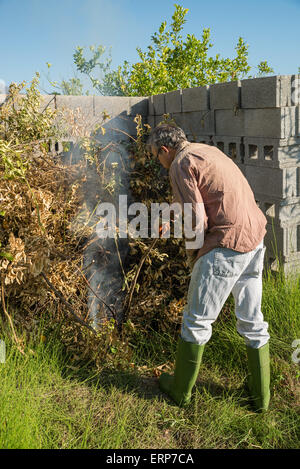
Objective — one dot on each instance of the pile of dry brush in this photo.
(45, 229)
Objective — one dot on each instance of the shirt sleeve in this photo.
(184, 183)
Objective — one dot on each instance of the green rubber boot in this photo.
(188, 360)
(259, 379)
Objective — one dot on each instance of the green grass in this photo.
(44, 403)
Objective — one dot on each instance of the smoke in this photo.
(2, 86)
(104, 258)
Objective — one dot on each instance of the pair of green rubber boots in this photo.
(188, 360)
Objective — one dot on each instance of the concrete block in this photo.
(266, 92)
(292, 268)
(195, 99)
(231, 146)
(287, 213)
(275, 242)
(225, 95)
(206, 139)
(118, 129)
(84, 103)
(173, 102)
(229, 123)
(138, 105)
(295, 98)
(280, 212)
(268, 123)
(48, 101)
(265, 180)
(284, 244)
(150, 106)
(112, 105)
(291, 182)
(196, 123)
(275, 185)
(158, 119)
(151, 121)
(178, 118)
(271, 152)
(241, 167)
(290, 127)
(159, 104)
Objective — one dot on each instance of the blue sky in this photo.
(34, 32)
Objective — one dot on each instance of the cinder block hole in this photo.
(268, 152)
(298, 182)
(220, 145)
(232, 150)
(298, 238)
(253, 151)
(56, 146)
(242, 152)
(270, 209)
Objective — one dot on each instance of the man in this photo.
(230, 259)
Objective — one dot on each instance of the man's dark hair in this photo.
(166, 134)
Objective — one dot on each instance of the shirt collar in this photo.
(181, 146)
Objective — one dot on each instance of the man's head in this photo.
(164, 141)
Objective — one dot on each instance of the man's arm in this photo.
(185, 189)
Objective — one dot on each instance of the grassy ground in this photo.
(46, 404)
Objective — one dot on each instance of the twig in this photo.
(10, 321)
(60, 296)
(88, 284)
(48, 104)
(125, 133)
(138, 271)
(93, 291)
(120, 261)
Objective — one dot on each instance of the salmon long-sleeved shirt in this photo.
(203, 174)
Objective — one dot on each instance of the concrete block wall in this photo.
(256, 122)
(121, 111)
(119, 122)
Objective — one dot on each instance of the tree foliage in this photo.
(170, 62)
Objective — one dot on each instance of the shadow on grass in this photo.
(146, 387)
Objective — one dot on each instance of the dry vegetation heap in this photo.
(46, 226)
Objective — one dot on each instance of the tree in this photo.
(73, 86)
(170, 62)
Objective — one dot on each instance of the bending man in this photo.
(229, 260)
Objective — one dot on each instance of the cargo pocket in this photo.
(227, 264)
(257, 264)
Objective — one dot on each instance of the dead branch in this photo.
(10, 321)
(61, 297)
(152, 245)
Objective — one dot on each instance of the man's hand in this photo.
(164, 230)
(191, 259)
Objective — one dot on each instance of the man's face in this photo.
(164, 154)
